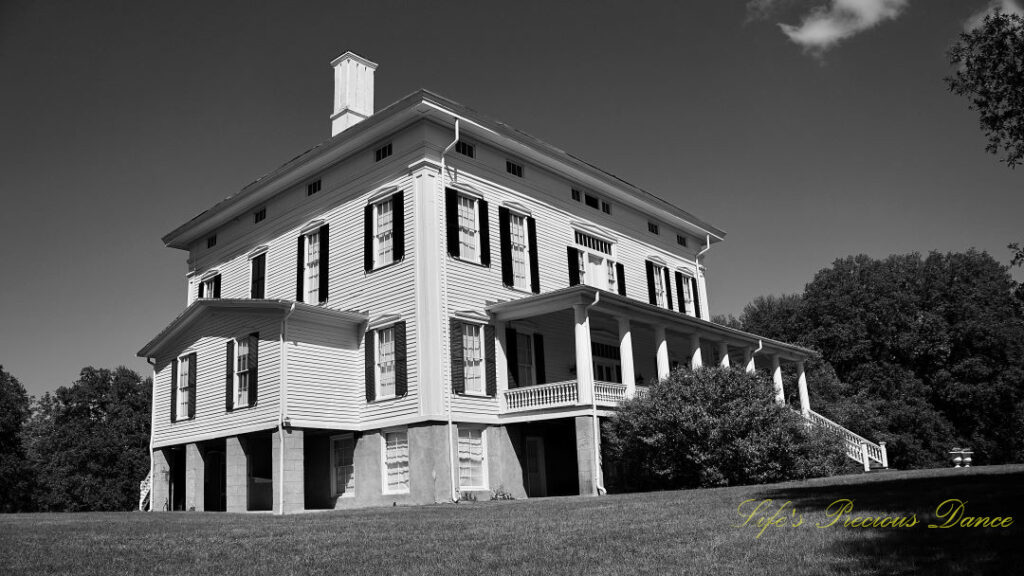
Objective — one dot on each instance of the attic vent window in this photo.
(382, 152)
(591, 201)
(211, 241)
(465, 149)
(593, 243)
(652, 228)
(606, 207)
(312, 188)
(680, 239)
(259, 216)
(514, 169)
(576, 194)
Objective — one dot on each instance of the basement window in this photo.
(514, 169)
(312, 188)
(465, 149)
(382, 152)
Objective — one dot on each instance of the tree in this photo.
(989, 64)
(89, 442)
(713, 427)
(15, 474)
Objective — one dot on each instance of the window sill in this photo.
(384, 266)
(387, 492)
(474, 395)
(383, 400)
(470, 262)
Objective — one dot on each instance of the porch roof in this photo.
(621, 306)
(244, 306)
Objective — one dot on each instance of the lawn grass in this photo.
(683, 532)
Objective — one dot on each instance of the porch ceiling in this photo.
(201, 308)
(639, 312)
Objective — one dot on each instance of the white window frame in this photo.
(384, 361)
(181, 381)
(345, 492)
(385, 486)
(485, 481)
(522, 278)
(311, 266)
(208, 281)
(596, 265)
(686, 302)
(480, 362)
(383, 233)
(469, 234)
(262, 251)
(659, 284)
(238, 401)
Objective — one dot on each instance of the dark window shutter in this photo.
(174, 390)
(505, 243)
(491, 373)
(485, 234)
(325, 251)
(696, 297)
(368, 238)
(512, 357)
(451, 220)
(620, 272)
(401, 372)
(370, 341)
(652, 295)
(300, 267)
(202, 288)
(216, 286)
(680, 292)
(458, 376)
(574, 265)
(254, 367)
(668, 288)
(538, 358)
(192, 369)
(398, 225)
(229, 376)
(531, 234)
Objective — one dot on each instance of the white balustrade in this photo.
(856, 445)
(541, 396)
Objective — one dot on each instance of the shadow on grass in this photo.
(997, 491)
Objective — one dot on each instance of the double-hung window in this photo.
(242, 372)
(473, 358)
(383, 233)
(385, 363)
(209, 286)
(311, 283)
(469, 228)
(396, 462)
(659, 285)
(472, 459)
(312, 268)
(343, 477)
(258, 276)
(520, 251)
(686, 294)
(184, 381)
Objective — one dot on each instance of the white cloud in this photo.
(828, 25)
(1007, 6)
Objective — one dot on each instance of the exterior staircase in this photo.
(145, 489)
(860, 449)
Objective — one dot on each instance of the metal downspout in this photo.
(152, 425)
(598, 479)
(447, 387)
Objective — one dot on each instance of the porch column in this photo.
(500, 360)
(195, 478)
(780, 394)
(662, 346)
(588, 449)
(696, 358)
(584, 358)
(236, 483)
(801, 382)
(748, 360)
(160, 489)
(287, 470)
(626, 356)
(723, 354)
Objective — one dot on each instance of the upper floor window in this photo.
(514, 168)
(183, 387)
(606, 207)
(468, 228)
(524, 359)
(258, 276)
(313, 187)
(659, 285)
(211, 241)
(472, 358)
(465, 149)
(519, 251)
(382, 152)
(681, 240)
(576, 195)
(343, 476)
(209, 286)
(312, 266)
(396, 462)
(591, 201)
(689, 297)
(591, 264)
(384, 232)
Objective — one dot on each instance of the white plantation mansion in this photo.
(426, 305)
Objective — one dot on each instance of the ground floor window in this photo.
(472, 452)
(343, 478)
(396, 461)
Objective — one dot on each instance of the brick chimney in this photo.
(353, 91)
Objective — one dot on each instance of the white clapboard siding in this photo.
(208, 340)
(325, 379)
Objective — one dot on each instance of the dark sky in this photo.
(119, 121)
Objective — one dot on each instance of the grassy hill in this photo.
(683, 532)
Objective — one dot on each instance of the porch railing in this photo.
(609, 392)
(560, 394)
(857, 447)
(145, 491)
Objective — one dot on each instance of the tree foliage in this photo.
(89, 442)
(15, 474)
(989, 63)
(714, 427)
(927, 352)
